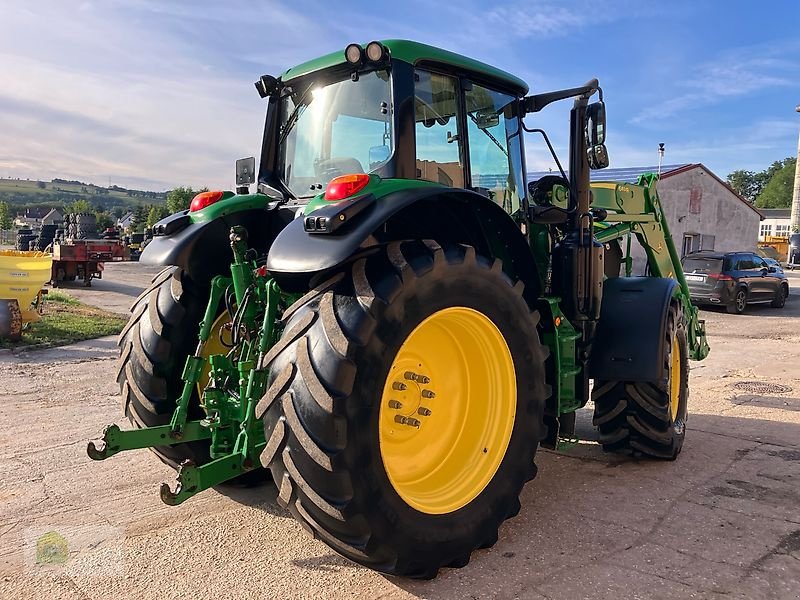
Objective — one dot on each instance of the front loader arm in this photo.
(636, 209)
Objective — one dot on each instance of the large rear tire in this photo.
(161, 332)
(405, 407)
(648, 417)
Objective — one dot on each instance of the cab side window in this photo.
(436, 129)
(495, 159)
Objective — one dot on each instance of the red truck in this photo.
(83, 259)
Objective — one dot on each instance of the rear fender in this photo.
(203, 249)
(445, 215)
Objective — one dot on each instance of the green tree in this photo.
(139, 219)
(179, 199)
(6, 222)
(777, 193)
(156, 214)
(104, 220)
(79, 206)
(745, 183)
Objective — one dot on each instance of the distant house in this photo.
(53, 218)
(125, 221)
(703, 212)
(32, 217)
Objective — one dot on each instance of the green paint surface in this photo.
(413, 53)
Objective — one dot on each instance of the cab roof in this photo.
(416, 53)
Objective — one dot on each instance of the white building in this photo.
(703, 212)
(776, 223)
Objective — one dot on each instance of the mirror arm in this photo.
(537, 102)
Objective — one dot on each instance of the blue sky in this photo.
(158, 93)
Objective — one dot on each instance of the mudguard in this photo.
(203, 248)
(443, 214)
(629, 344)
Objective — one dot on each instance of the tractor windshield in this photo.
(335, 129)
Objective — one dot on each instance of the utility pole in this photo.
(660, 157)
(794, 224)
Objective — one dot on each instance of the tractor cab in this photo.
(352, 113)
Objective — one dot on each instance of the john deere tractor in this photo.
(393, 321)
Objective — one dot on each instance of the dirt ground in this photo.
(723, 521)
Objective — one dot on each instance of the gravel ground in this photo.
(723, 521)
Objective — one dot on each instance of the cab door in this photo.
(440, 154)
(494, 144)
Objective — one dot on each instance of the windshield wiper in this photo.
(490, 136)
(294, 115)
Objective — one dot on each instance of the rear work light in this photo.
(345, 186)
(204, 199)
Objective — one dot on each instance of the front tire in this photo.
(648, 417)
(337, 421)
(780, 297)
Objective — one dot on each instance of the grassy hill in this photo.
(22, 193)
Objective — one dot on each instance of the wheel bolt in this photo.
(411, 376)
(399, 386)
(395, 404)
(425, 412)
(411, 422)
(428, 394)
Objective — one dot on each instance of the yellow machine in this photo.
(22, 275)
(775, 247)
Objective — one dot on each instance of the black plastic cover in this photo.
(629, 344)
(172, 223)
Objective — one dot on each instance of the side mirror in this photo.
(245, 174)
(772, 270)
(487, 120)
(266, 85)
(596, 124)
(378, 155)
(598, 157)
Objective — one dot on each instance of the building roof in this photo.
(36, 213)
(692, 166)
(52, 213)
(622, 174)
(776, 213)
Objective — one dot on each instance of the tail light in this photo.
(204, 199)
(719, 276)
(345, 186)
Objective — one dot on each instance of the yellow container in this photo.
(22, 275)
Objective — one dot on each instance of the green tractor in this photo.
(395, 320)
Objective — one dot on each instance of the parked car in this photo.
(734, 280)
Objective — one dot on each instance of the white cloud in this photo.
(738, 72)
(148, 92)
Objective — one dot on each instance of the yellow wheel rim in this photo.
(675, 378)
(213, 346)
(447, 410)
